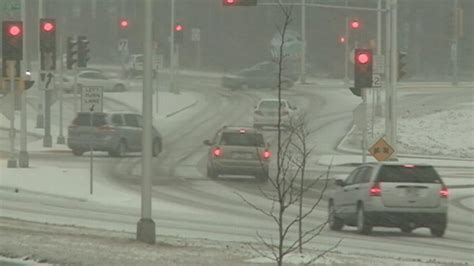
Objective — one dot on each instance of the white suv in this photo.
(266, 113)
(392, 195)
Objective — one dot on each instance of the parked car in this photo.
(261, 75)
(238, 151)
(391, 195)
(266, 113)
(90, 77)
(115, 133)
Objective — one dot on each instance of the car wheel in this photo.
(77, 152)
(363, 226)
(438, 231)
(119, 87)
(335, 223)
(120, 150)
(262, 177)
(406, 229)
(156, 147)
(211, 173)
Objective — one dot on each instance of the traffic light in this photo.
(401, 65)
(355, 24)
(123, 23)
(48, 43)
(12, 33)
(239, 2)
(71, 56)
(82, 51)
(178, 33)
(363, 62)
(342, 39)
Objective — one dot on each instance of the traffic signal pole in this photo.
(40, 115)
(378, 105)
(146, 225)
(11, 73)
(172, 55)
(23, 158)
(394, 64)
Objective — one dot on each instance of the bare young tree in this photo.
(291, 159)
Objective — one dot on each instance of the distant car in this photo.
(266, 113)
(134, 66)
(115, 133)
(92, 78)
(261, 75)
(238, 151)
(390, 195)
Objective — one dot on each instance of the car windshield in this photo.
(242, 139)
(408, 174)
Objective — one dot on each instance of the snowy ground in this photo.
(443, 133)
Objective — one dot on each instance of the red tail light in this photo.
(267, 154)
(258, 112)
(443, 192)
(106, 129)
(217, 152)
(375, 190)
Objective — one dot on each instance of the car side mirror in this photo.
(339, 182)
(207, 142)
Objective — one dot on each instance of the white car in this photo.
(266, 113)
(93, 78)
(404, 196)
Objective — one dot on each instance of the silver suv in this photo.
(116, 133)
(392, 195)
(238, 151)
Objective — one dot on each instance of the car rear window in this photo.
(242, 139)
(270, 104)
(408, 174)
(84, 119)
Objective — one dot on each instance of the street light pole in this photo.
(172, 54)
(378, 106)
(146, 225)
(23, 158)
(40, 116)
(303, 39)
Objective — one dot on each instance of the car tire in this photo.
(335, 223)
(77, 152)
(120, 150)
(438, 230)
(406, 229)
(156, 147)
(363, 226)
(211, 173)
(262, 177)
(119, 88)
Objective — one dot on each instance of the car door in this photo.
(347, 193)
(132, 132)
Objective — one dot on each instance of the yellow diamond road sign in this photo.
(381, 150)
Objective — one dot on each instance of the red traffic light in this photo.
(342, 39)
(124, 23)
(48, 27)
(355, 24)
(229, 2)
(14, 30)
(178, 27)
(363, 58)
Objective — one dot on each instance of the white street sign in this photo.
(92, 99)
(377, 81)
(195, 35)
(123, 45)
(379, 64)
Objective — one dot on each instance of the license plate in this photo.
(411, 192)
(241, 155)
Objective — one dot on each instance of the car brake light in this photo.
(443, 192)
(375, 190)
(106, 128)
(266, 154)
(409, 166)
(217, 152)
(258, 112)
(242, 130)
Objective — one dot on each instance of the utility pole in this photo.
(146, 225)
(454, 47)
(172, 55)
(40, 116)
(378, 106)
(61, 31)
(387, 81)
(23, 158)
(303, 39)
(346, 50)
(393, 80)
